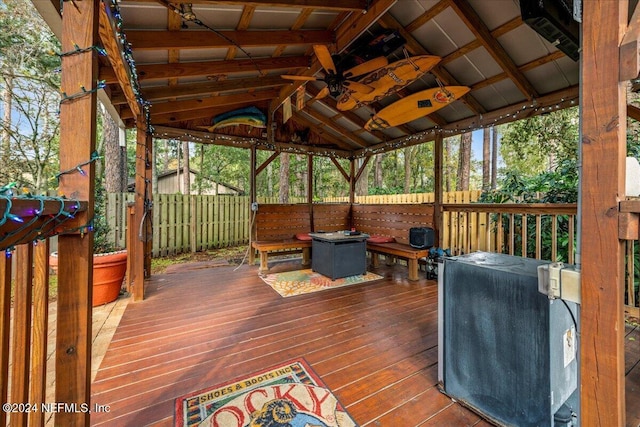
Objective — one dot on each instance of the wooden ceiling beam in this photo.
(204, 39)
(557, 100)
(196, 89)
(202, 113)
(243, 24)
(320, 132)
(338, 5)
(150, 72)
(328, 123)
(427, 16)
(111, 42)
(413, 46)
(471, 19)
(523, 68)
(172, 107)
(470, 47)
(299, 23)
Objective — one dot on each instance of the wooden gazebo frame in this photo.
(609, 55)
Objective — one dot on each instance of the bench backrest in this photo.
(393, 220)
(331, 217)
(282, 221)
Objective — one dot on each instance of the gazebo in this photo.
(172, 69)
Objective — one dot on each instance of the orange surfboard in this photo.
(413, 107)
(388, 80)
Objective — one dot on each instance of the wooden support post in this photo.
(37, 390)
(310, 189)
(603, 101)
(352, 181)
(131, 252)
(437, 186)
(253, 198)
(142, 199)
(5, 320)
(75, 251)
(21, 342)
(148, 224)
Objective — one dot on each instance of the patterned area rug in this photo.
(299, 282)
(290, 394)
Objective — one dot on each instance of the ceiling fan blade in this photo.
(301, 78)
(366, 67)
(325, 59)
(322, 94)
(358, 87)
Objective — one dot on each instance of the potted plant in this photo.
(109, 262)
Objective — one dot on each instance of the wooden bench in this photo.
(275, 230)
(393, 221)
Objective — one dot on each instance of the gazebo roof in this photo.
(234, 53)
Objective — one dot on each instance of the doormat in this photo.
(288, 395)
(291, 283)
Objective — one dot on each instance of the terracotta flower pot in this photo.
(108, 273)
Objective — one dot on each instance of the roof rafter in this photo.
(495, 49)
(440, 72)
(204, 39)
(172, 107)
(341, 5)
(149, 72)
(165, 92)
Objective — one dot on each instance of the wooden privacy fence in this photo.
(184, 223)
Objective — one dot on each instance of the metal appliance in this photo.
(505, 349)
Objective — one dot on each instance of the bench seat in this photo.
(265, 247)
(401, 250)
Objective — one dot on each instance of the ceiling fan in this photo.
(338, 80)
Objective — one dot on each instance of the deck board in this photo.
(373, 344)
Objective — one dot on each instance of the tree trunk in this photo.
(377, 174)
(447, 163)
(283, 196)
(186, 173)
(464, 162)
(302, 174)
(362, 186)
(408, 155)
(5, 157)
(486, 158)
(494, 158)
(270, 179)
(165, 159)
(112, 162)
(201, 178)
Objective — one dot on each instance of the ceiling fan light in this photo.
(335, 88)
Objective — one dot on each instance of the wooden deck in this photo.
(374, 345)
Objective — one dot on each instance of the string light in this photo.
(101, 84)
(78, 168)
(78, 50)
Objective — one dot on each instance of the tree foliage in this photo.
(537, 144)
(29, 82)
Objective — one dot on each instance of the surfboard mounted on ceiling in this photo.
(413, 107)
(250, 116)
(388, 80)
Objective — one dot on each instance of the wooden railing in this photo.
(24, 331)
(24, 301)
(541, 230)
